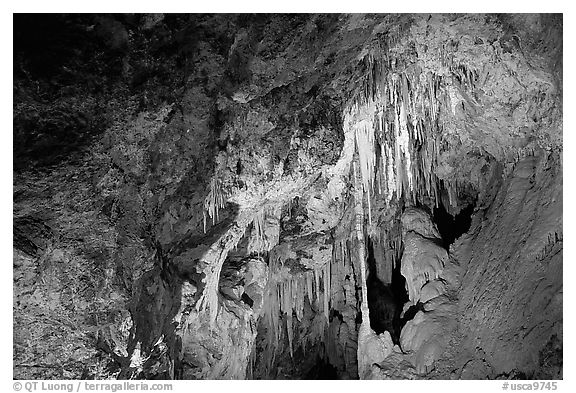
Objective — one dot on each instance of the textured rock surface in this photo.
(434, 286)
(511, 294)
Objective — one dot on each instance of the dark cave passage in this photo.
(452, 227)
(322, 370)
(311, 361)
(385, 301)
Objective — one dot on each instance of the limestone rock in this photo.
(423, 261)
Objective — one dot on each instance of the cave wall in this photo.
(511, 291)
(204, 122)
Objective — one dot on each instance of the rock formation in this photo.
(288, 196)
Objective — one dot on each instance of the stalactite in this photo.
(289, 291)
(290, 332)
(364, 132)
(317, 287)
(214, 201)
(326, 284)
(251, 362)
(258, 228)
(258, 243)
(399, 121)
(309, 279)
(265, 231)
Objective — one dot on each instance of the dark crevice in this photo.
(411, 313)
(322, 370)
(385, 301)
(452, 227)
(247, 299)
(336, 314)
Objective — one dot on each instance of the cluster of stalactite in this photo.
(215, 200)
(265, 231)
(330, 292)
(397, 120)
(285, 298)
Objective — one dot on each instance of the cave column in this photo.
(365, 331)
(359, 215)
